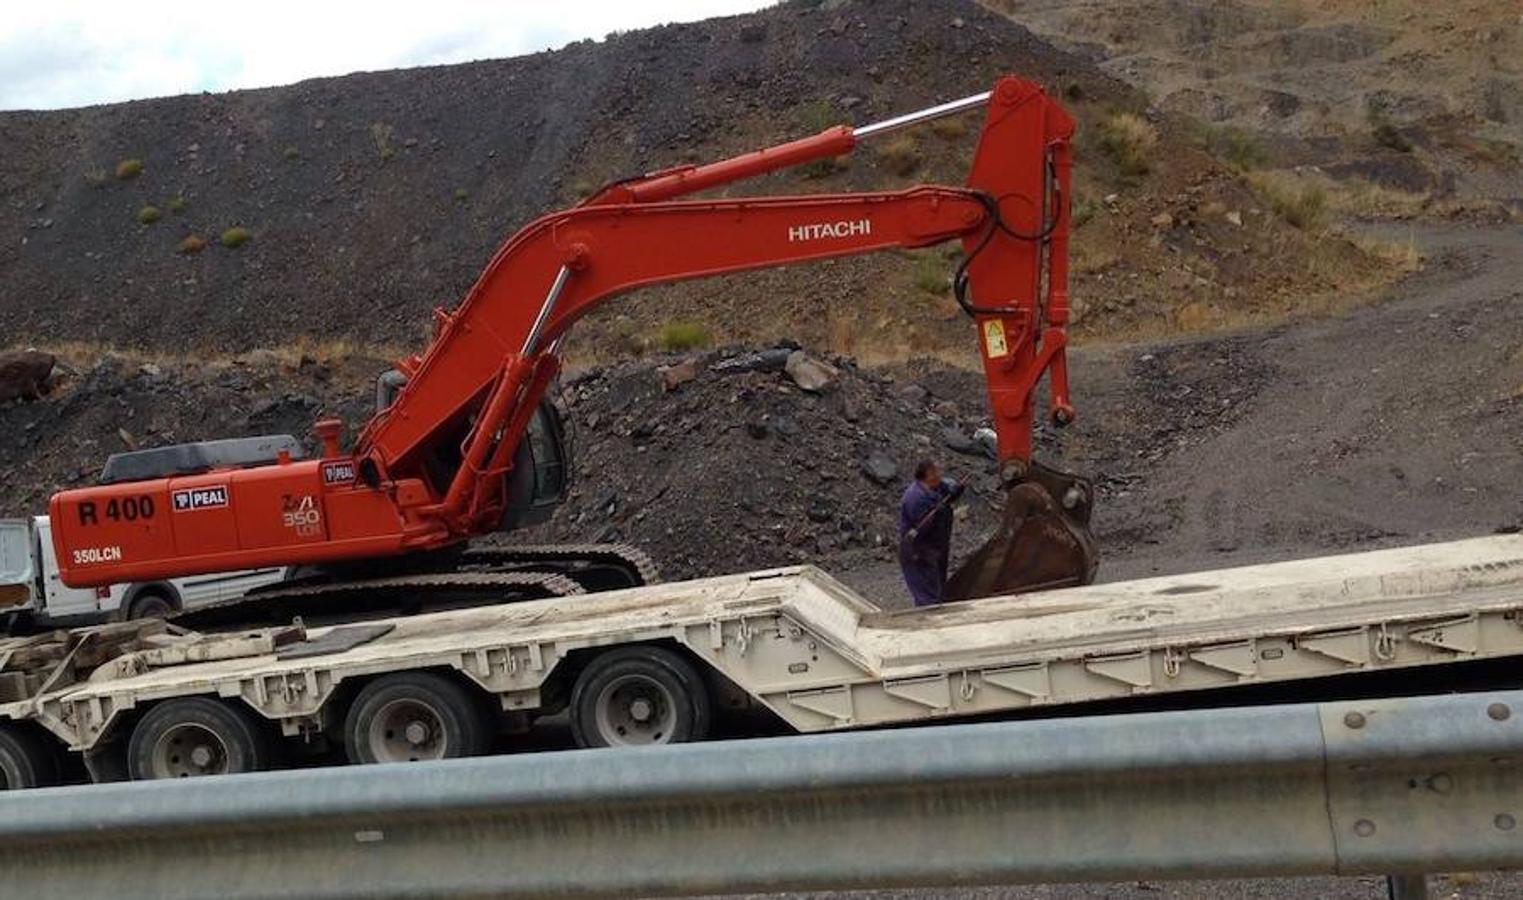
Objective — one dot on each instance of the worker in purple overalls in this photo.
(925, 532)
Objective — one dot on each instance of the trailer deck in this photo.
(821, 656)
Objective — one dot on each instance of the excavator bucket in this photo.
(1042, 540)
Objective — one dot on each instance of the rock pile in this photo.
(759, 458)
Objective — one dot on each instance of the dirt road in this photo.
(1399, 422)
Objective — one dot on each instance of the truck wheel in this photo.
(26, 760)
(194, 736)
(154, 606)
(415, 716)
(639, 695)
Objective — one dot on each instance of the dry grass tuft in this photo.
(676, 336)
(128, 169)
(1299, 201)
(951, 127)
(900, 156)
(1402, 256)
(1129, 140)
(382, 133)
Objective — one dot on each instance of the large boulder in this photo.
(810, 374)
(25, 375)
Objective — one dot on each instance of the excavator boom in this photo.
(431, 468)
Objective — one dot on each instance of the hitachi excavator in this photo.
(464, 443)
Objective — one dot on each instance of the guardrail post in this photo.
(1407, 887)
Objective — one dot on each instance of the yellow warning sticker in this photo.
(994, 339)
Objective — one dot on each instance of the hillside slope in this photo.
(373, 197)
(1421, 98)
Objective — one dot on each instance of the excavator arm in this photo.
(429, 470)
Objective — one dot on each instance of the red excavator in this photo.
(464, 443)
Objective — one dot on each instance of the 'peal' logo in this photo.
(199, 498)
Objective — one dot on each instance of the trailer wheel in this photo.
(639, 695)
(26, 760)
(150, 605)
(193, 736)
(412, 717)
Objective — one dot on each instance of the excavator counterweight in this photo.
(460, 429)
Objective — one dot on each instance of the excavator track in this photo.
(594, 566)
(391, 595)
(478, 576)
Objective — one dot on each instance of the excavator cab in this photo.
(541, 472)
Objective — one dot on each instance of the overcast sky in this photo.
(57, 53)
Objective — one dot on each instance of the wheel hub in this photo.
(636, 709)
(417, 733)
(407, 731)
(189, 750)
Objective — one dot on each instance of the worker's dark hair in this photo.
(923, 468)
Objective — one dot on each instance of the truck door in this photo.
(58, 598)
(18, 575)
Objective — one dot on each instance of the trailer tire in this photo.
(193, 736)
(26, 760)
(639, 695)
(412, 717)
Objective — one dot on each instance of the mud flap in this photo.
(1042, 540)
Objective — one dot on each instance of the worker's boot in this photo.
(1042, 539)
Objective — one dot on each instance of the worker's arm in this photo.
(950, 492)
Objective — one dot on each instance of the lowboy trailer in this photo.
(657, 664)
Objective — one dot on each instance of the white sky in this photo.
(57, 53)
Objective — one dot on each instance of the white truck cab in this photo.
(30, 585)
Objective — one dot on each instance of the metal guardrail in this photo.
(1397, 785)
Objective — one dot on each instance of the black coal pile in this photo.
(739, 460)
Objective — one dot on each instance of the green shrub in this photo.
(900, 156)
(932, 274)
(1237, 147)
(677, 336)
(128, 169)
(461, 194)
(236, 236)
(193, 243)
(1390, 137)
(1129, 140)
(149, 214)
(1082, 211)
(814, 118)
(291, 152)
(177, 203)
